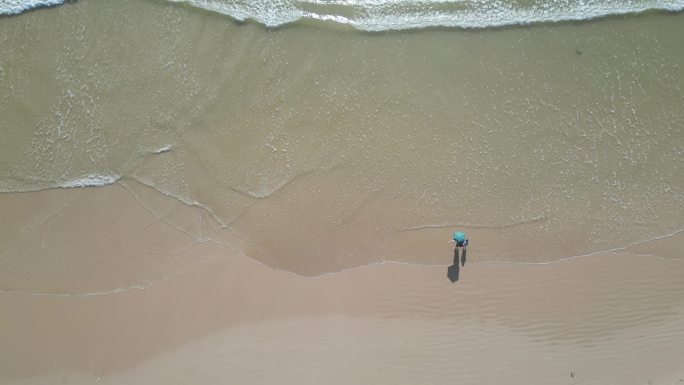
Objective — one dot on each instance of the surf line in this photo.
(540, 218)
(616, 250)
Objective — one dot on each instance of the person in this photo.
(461, 241)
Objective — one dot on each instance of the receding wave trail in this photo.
(383, 15)
(540, 218)
(89, 180)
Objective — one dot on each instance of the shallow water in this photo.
(327, 148)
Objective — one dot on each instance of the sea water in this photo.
(327, 146)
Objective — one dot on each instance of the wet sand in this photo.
(225, 317)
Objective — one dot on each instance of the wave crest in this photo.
(383, 15)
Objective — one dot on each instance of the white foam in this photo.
(382, 15)
(163, 149)
(13, 7)
(37, 184)
(90, 180)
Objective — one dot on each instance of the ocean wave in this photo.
(383, 15)
(13, 7)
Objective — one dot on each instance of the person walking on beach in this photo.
(461, 241)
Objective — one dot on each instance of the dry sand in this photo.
(211, 315)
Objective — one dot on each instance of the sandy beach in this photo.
(188, 198)
(226, 317)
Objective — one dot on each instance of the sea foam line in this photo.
(617, 250)
(35, 184)
(90, 180)
(536, 219)
(385, 15)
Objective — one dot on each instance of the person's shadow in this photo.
(454, 270)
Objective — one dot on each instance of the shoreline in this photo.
(193, 227)
(577, 307)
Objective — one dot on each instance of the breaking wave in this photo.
(383, 15)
